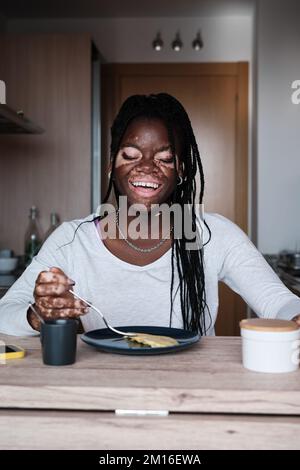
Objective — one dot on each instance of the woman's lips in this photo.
(143, 191)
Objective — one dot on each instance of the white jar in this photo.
(270, 345)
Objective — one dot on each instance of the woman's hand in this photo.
(52, 298)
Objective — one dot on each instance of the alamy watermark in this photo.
(295, 96)
(159, 221)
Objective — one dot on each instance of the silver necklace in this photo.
(134, 247)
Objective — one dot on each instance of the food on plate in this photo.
(154, 341)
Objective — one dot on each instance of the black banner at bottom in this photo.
(141, 458)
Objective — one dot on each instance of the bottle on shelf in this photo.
(54, 223)
(33, 239)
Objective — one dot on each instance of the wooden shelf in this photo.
(14, 122)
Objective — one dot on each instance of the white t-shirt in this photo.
(140, 295)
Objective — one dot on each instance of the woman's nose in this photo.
(147, 165)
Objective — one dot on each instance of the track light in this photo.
(177, 43)
(197, 44)
(158, 43)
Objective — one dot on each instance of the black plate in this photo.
(107, 340)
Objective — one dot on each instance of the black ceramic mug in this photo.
(59, 339)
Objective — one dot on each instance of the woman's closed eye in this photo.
(167, 159)
(129, 157)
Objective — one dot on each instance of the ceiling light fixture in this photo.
(197, 44)
(177, 43)
(158, 43)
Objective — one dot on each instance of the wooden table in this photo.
(213, 402)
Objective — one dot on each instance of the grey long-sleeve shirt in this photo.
(140, 295)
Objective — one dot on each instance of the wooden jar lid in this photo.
(273, 325)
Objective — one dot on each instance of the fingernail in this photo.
(86, 310)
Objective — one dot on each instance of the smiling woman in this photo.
(136, 278)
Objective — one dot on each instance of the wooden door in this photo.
(215, 97)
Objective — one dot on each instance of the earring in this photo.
(180, 180)
(109, 174)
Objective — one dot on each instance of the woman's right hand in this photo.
(53, 299)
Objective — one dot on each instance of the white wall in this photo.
(278, 131)
(130, 39)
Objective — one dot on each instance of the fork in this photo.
(115, 330)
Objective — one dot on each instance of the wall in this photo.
(278, 126)
(130, 39)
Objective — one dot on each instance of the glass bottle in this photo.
(54, 223)
(32, 237)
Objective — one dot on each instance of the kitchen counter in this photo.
(290, 277)
(3, 290)
(213, 402)
(290, 280)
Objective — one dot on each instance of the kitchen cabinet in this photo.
(54, 79)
